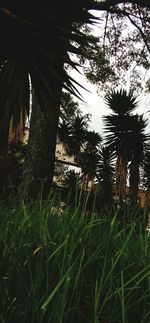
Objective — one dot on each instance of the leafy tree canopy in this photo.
(123, 51)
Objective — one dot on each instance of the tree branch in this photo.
(127, 14)
(105, 32)
(105, 5)
(141, 32)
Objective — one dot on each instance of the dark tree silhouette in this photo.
(38, 38)
(138, 143)
(118, 127)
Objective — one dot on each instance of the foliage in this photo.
(29, 51)
(105, 174)
(92, 140)
(138, 152)
(72, 180)
(72, 133)
(70, 267)
(88, 162)
(89, 156)
(123, 49)
(68, 108)
(121, 102)
(64, 135)
(12, 166)
(118, 129)
(105, 168)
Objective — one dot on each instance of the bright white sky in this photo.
(93, 103)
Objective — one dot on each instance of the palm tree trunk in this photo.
(4, 135)
(4, 131)
(121, 175)
(40, 160)
(147, 205)
(134, 180)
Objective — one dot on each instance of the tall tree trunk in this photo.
(147, 205)
(40, 160)
(134, 180)
(4, 135)
(121, 175)
(4, 132)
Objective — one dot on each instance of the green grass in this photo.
(65, 266)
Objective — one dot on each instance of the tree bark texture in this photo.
(134, 180)
(121, 175)
(4, 135)
(40, 160)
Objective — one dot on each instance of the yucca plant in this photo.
(105, 173)
(118, 127)
(40, 36)
(139, 145)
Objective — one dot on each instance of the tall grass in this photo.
(65, 266)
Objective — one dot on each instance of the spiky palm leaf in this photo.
(64, 136)
(105, 174)
(68, 107)
(38, 37)
(138, 142)
(89, 156)
(88, 163)
(79, 126)
(121, 102)
(72, 181)
(105, 167)
(93, 140)
(72, 134)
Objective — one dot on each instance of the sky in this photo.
(94, 104)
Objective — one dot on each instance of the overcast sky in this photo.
(94, 103)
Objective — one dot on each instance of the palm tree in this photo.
(69, 111)
(72, 181)
(72, 134)
(64, 136)
(88, 164)
(92, 140)
(89, 156)
(37, 41)
(69, 108)
(79, 126)
(118, 127)
(138, 144)
(105, 174)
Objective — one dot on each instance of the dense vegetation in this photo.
(59, 264)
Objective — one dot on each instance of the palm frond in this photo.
(121, 102)
(37, 41)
